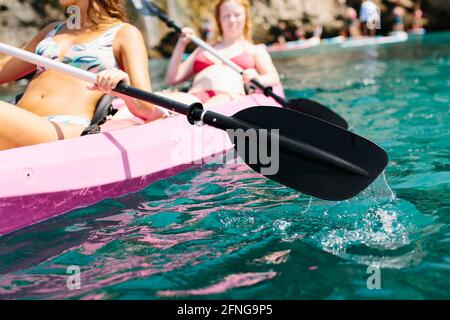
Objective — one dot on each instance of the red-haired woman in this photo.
(215, 83)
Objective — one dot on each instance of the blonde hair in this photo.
(248, 18)
(114, 8)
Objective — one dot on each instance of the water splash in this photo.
(369, 225)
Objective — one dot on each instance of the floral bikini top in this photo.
(94, 56)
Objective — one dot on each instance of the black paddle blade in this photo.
(317, 110)
(308, 172)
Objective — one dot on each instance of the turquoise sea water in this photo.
(224, 232)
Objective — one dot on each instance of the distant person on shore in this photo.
(206, 31)
(369, 16)
(399, 13)
(215, 83)
(298, 32)
(417, 24)
(281, 33)
(318, 30)
(352, 24)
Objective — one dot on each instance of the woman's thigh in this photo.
(182, 97)
(20, 128)
(220, 99)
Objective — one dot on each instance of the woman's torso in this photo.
(53, 93)
(216, 76)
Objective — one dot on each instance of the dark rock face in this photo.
(328, 13)
(20, 20)
(17, 21)
(437, 13)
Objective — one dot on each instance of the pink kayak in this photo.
(47, 180)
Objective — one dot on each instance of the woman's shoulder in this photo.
(256, 49)
(52, 26)
(128, 31)
(128, 35)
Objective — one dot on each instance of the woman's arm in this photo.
(266, 73)
(130, 50)
(12, 69)
(178, 71)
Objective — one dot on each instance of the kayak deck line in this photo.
(123, 152)
(44, 181)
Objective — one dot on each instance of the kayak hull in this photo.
(294, 48)
(394, 37)
(43, 181)
(22, 211)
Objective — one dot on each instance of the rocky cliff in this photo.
(266, 13)
(329, 13)
(21, 19)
